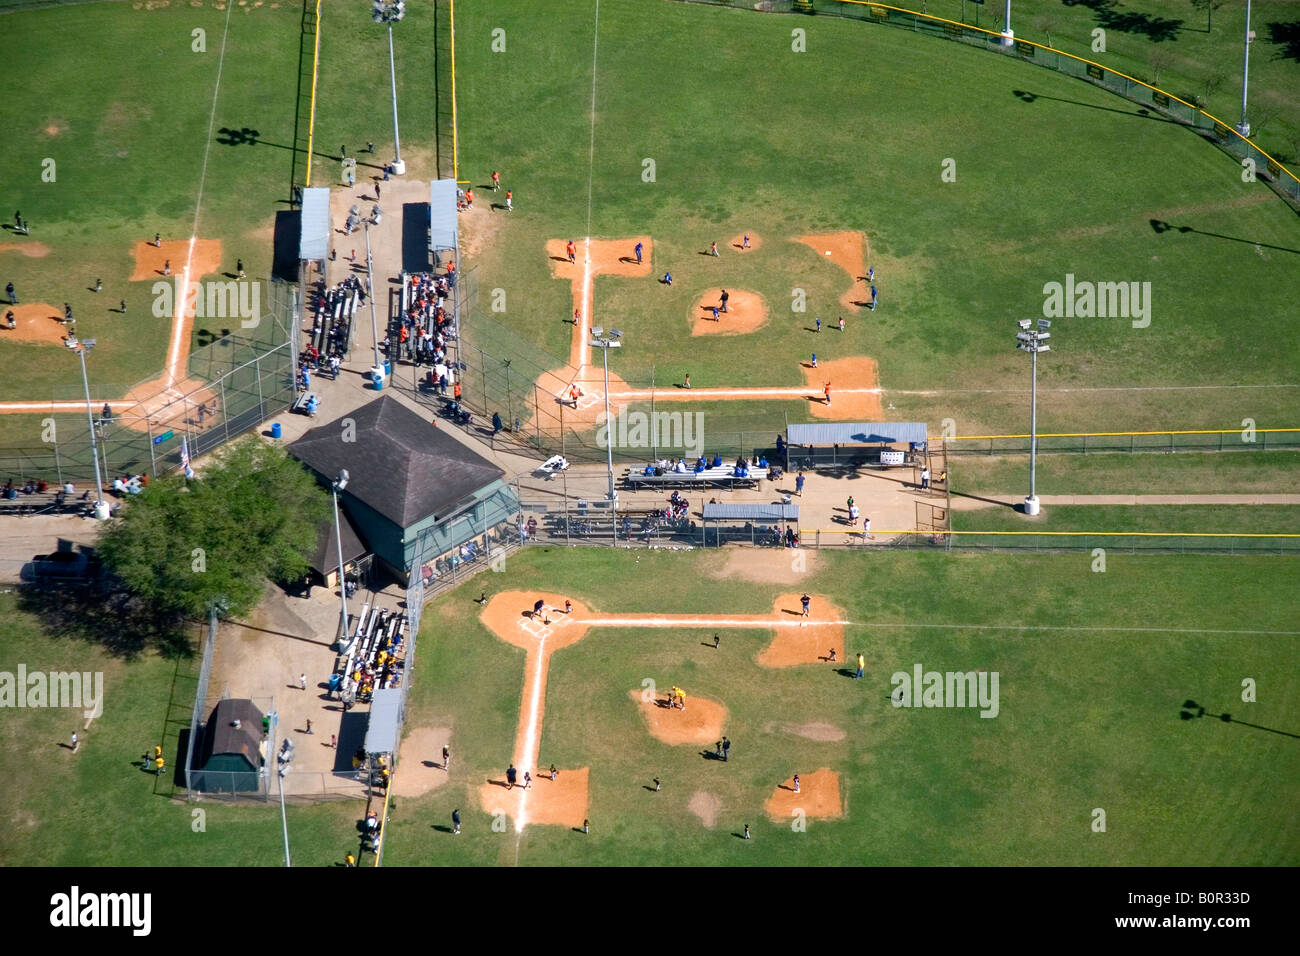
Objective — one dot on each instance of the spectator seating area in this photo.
(32, 496)
(333, 312)
(376, 655)
(424, 331)
(702, 474)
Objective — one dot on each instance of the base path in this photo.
(849, 251)
(594, 257)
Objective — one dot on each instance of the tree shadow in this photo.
(1287, 36)
(1158, 29)
(122, 624)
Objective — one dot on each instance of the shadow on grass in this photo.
(115, 620)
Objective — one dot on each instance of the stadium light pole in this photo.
(100, 506)
(389, 12)
(605, 342)
(1033, 341)
(338, 485)
(376, 373)
(1008, 34)
(1243, 127)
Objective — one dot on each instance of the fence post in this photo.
(153, 461)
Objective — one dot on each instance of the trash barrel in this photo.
(275, 430)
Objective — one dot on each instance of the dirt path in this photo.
(593, 257)
(818, 796)
(849, 251)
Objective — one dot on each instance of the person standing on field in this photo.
(638, 251)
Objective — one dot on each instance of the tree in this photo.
(1159, 58)
(1209, 6)
(1213, 83)
(1046, 23)
(182, 546)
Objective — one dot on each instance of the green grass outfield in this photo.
(1189, 519)
(97, 808)
(1088, 718)
(1192, 473)
(851, 135)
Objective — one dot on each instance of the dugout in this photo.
(231, 758)
(314, 230)
(854, 445)
(385, 722)
(764, 524)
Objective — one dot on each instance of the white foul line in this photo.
(178, 320)
(526, 756)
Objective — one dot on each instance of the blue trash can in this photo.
(388, 367)
(275, 430)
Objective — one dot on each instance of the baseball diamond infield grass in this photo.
(1088, 718)
(1053, 177)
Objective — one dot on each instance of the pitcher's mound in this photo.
(746, 312)
(700, 723)
(818, 796)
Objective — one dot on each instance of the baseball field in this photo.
(961, 185)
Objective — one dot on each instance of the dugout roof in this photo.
(442, 214)
(314, 236)
(751, 512)
(856, 433)
(385, 718)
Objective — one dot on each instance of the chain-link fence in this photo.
(233, 383)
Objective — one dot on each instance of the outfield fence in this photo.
(235, 382)
(1229, 439)
(1180, 110)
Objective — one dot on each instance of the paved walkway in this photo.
(963, 502)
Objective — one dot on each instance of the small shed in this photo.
(764, 524)
(231, 758)
(853, 444)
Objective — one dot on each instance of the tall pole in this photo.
(378, 370)
(1007, 32)
(343, 591)
(1244, 128)
(398, 166)
(94, 445)
(1033, 422)
(284, 819)
(609, 444)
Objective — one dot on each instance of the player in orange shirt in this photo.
(573, 251)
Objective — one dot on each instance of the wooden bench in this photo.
(721, 477)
